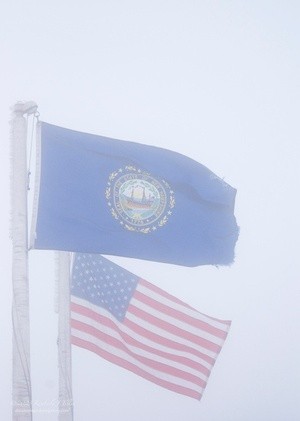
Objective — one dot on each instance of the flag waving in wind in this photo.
(136, 325)
(107, 196)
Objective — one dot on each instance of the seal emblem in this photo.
(138, 201)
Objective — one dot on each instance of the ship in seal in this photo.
(139, 201)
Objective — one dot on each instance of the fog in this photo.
(216, 81)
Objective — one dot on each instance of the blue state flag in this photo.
(115, 197)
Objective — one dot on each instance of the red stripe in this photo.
(116, 343)
(176, 314)
(163, 293)
(175, 330)
(142, 332)
(168, 355)
(131, 367)
(167, 342)
(170, 297)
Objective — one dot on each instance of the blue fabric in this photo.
(103, 283)
(114, 197)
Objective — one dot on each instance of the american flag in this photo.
(138, 326)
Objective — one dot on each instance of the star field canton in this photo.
(103, 284)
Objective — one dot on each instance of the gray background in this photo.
(217, 81)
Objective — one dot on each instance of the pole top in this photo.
(25, 107)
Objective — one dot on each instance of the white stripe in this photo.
(183, 308)
(168, 335)
(175, 322)
(121, 354)
(125, 329)
(154, 329)
(141, 352)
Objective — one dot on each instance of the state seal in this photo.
(139, 201)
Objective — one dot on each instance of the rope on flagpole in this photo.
(34, 121)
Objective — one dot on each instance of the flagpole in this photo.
(21, 381)
(65, 400)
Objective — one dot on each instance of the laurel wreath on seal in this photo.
(144, 230)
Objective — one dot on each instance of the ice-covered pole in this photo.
(21, 381)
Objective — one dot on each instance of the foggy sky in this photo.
(217, 81)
